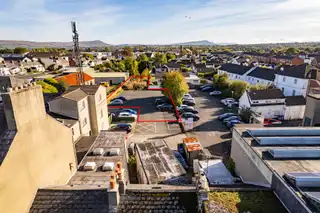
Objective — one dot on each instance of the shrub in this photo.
(47, 88)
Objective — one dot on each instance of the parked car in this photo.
(230, 124)
(189, 102)
(271, 121)
(159, 101)
(122, 127)
(122, 98)
(216, 92)
(129, 111)
(231, 118)
(207, 89)
(189, 99)
(231, 103)
(116, 102)
(182, 106)
(189, 109)
(206, 85)
(226, 115)
(165, 107)
(227, 101)
(187, 115)
(126, 115)
(187, 96)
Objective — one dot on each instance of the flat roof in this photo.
(97, 178)
(281, 166)
(158, 161)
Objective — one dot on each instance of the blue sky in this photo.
(162, 21)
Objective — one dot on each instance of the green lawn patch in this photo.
(239, 202)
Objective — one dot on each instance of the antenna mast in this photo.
(76, 52)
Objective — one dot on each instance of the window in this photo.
(282, 89)
(72, 130)
(84, 122)
(101, 114)
(293, 92)
(83, 105)
(284, 79)
(257, 81)
(295, 81)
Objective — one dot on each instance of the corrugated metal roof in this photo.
(294, 153)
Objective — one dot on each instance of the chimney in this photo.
(22, 105)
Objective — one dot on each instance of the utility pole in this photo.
(76, 53)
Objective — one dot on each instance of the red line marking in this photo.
(139, 108)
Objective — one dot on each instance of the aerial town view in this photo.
(181, 106)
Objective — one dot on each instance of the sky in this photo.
(162, 21)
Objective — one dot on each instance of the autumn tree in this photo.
(143, 57)
(131, 65)
(238, 88)
(176, 84)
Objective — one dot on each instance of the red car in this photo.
(271, 121)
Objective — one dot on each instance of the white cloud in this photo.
(247, 21)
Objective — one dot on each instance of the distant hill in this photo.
(33, 44)
(196, 43)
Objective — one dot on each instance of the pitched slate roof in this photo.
(263, 73)
(295, 100)
(75, 95)
(266, 94)
(141, 201)
(68, 201)
(298, 71)
(173, 65)
(89, 89)
(200, 66)
(235, 68)
(71, 79)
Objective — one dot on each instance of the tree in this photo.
(143, 57)
(127, 51)
(245, 114)
(20, 50)
(221, 81)
(257, 87)
(107, 49)
(119, 66)
(6, 50)
(88, 55)
(171, 56)
(63, 86)
(160, 58)
(131, 65)
(292, 51)
(238, 88)
(176, 84)
(47, 88)
(143, 65)
(145, 73)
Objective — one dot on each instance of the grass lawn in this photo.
(239, 202)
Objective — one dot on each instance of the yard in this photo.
(246, 201)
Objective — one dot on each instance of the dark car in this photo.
(206, 85)
(187, 115)
(129, 111)
(122, 127)
(165, 107)
(159, 101)
(208, 89)
(122, 98)
(189, 109)
(231, 118)
(189, 102)
(226, 115)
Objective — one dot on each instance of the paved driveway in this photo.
(211, 132)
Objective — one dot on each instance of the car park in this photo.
(231, 123)
(165, 107)
(189, 99)
(189, 102)
(226, 115)
(231, 118)
(188, 115)
(216, 92)
(116, 102)
(271, 121)
(129, 111)
(183, 106)
(227, 101)
(122, 127)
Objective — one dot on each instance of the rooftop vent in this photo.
(98, 151)
(89, 166)
(114, 152)
(284, 132)
(304, 179)
(294, 153)
(277, 141)
(108, 166)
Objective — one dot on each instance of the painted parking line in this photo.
(145, 128)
